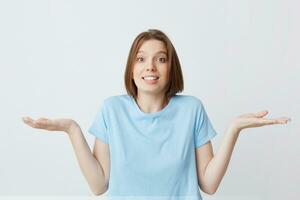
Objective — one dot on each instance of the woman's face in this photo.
(150, 68)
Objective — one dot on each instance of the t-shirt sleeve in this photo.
(204, 130)
(98, 127)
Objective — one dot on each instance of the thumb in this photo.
(42, 121)
(261, 113)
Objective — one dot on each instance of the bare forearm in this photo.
(90, 167)
(217, 166)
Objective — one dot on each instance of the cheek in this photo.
(136, 72)
(165, 72)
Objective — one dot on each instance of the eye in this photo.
(162, 59)
(140, 59)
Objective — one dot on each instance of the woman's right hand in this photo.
(65, 125)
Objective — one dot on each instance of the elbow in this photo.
(209, 190)
(100, 191)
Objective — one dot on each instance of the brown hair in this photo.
(175, 83)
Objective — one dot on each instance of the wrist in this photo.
(233, 129)
(73, 127)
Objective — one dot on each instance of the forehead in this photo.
(153, 46)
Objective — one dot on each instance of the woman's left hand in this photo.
(255, 120)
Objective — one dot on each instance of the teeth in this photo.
(150, 78)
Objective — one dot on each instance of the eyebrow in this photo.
(155, 53)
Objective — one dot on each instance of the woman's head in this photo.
(152, 54)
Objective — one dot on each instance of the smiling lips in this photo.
(151, 79)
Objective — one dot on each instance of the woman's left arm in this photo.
(211, 168)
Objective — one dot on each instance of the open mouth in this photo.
(150, 78)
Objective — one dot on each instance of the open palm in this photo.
(251, 120)
(49, 124)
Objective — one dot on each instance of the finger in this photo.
(42, 121)
(261, 113)
(28, 120)
(33, 123)
(263, 122)
(258, 114)
(282, 120)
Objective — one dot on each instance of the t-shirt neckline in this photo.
(152, 114)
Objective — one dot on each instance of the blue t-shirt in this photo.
(152, 155)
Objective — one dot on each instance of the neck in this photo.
(151, 103)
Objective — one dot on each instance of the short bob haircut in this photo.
(175, 84)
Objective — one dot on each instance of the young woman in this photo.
(152, 142)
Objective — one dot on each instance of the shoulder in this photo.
(116, 100)
(189, 100)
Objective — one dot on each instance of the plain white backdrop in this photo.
(61, 58)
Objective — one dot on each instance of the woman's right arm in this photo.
(91, 168)
(94, 166)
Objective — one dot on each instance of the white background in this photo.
(62, 58)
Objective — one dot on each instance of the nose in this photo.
(151, 66)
